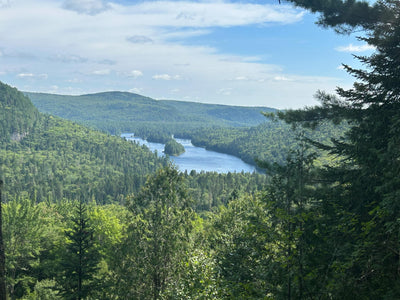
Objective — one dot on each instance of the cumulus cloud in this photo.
(90, 7)
(281, 78)
(32, 76)
(135, 74)
(209, 14)
(139, 39)
(166, 77)
(183, 34)
(102, 72)
(241, 78)
(98, 44)
(355, 48)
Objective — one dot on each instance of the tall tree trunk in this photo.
(3, 292)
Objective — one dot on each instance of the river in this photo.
(198, 159)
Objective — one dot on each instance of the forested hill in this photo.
(53, 159)
(17, 114)
(117, 112)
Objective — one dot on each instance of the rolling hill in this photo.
(117, 112)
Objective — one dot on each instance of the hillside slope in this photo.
(17, 114)
(58, 159)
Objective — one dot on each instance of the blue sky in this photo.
(252, 53)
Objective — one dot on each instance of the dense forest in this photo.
(240, 131)
(270, 141)
(155, 120)
(308, 230)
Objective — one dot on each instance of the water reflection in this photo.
(198, 159)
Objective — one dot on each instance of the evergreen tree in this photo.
(365, 185)
(81, 258)
(152, 257)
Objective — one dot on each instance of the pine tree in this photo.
(81, 258)
(365, 185)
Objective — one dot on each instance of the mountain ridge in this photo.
(117, 112)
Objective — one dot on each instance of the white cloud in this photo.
(74, 80)
(102, 72)
(241, 78)
(90, 7)
(166, 77)
(109, 44)
(183, 34)
(32, 76)
(135, 74)
(136, 90)
(281, 78)
(355, 48)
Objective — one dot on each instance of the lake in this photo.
(198, 159)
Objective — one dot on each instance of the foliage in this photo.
(239, 236)
(30, 231)
(270, 141)
(365, 183)
(210, 190)
(18, 116)
(172, 147)
(60, 159)
(156, 121)
(154, 252)
(80, 259)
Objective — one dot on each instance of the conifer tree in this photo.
(365, 185)
(81, 258)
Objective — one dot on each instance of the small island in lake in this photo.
(173, 148)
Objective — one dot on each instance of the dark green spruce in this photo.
(361, 191)
(80, 258)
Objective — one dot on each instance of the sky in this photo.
(247, 53)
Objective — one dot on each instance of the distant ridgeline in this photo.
(154, 120)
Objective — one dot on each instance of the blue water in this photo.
(198, 159)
